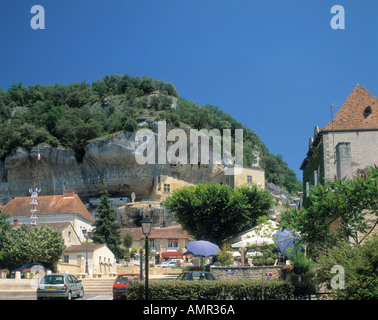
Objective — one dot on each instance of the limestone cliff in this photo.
(109, 160)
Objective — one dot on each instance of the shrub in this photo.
(302, 264)
(360, 266)
(212, 290)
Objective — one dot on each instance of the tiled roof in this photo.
(355, 113)
(175, 232)
(60, 226)
(83, 247)
(60, 204)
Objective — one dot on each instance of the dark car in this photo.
(29, 267)
(196, 276)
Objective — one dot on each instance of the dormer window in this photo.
(367, 112)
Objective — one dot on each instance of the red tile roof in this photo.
(61, 204)
(351, 115)
(83, 247)
(175, 232)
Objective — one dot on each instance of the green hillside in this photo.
(71, 115)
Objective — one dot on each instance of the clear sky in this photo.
(276, 66)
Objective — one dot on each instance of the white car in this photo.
(179, 261)
(167, 264)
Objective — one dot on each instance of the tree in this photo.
(343, 203)
(5, 226)
(214, 212)
(128, 241)
(41, 244)
(106, 229)
(357, 274)
(224, 257)
(130, 125)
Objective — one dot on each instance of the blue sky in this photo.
(275, 66)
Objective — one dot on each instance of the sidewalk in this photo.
(19, 288)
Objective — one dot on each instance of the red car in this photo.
(121, 283)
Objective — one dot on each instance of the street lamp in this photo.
(87, 235)
(146, 229)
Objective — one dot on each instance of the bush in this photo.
(360, 266)
(303, 284)
(211, 290)
(302, 264)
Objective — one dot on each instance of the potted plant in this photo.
(286, 271)
(4, 273)
(27, 273)
(302, 274)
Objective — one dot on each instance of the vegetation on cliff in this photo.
(71, 115)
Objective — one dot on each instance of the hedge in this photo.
(211, 290)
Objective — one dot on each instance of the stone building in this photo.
(58, 208)
(164, 185)
(166, 242)
(132, 213)
(237, 176)
(101, 260)
(347, 144)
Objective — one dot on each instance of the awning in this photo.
(166, 255)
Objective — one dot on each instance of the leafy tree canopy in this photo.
(214, 212)
(41, 244)
(350, 206)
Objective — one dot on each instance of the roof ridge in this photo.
(348, 117)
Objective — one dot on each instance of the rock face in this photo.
(109, 160)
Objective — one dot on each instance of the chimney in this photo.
(68, 193)
(15, 223)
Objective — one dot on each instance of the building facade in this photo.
(347, 144)
(168, 242)
(58, 208)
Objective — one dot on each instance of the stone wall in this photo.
(246, 273)
(151, 271)
(67, 268)
(362, 152)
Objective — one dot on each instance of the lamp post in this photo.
(146, 229)
(87, 235)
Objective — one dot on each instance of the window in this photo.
(172, 244)
(315, 178)
(249, 179)
(167, 187)
(152, 244)
(367, 112)
(66, 259)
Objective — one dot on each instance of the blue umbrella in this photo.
(201, 248)
(286, 241)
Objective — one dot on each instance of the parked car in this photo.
(60, 285)
(29, 267)
(177, 261)
(121, 283)
(196, 276)
(167, 264)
